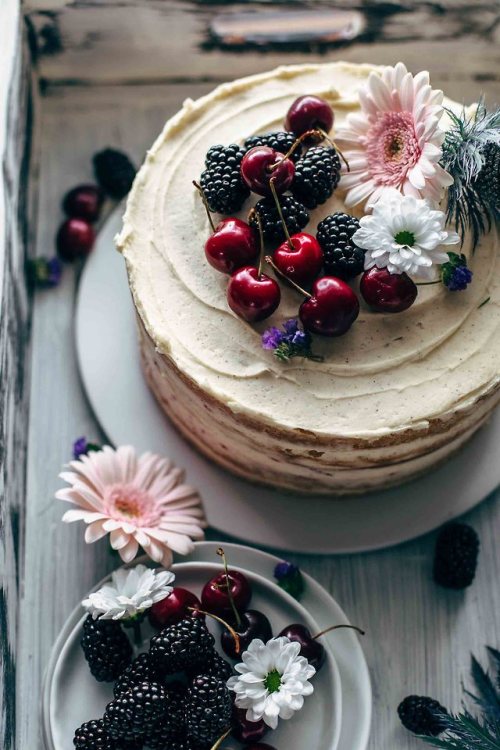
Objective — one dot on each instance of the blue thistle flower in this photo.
(81, 447)
(289, 578)
(45, 272)
(455, 274)
(272, 338)
(290, 342)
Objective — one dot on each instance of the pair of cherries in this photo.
(76, 235)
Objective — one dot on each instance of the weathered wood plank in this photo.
(14, 328)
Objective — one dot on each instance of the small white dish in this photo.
(106, 343)
(71, 695)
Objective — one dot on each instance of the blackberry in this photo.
(106, 648)
(141, 670)
(342, 257)
(187, 743)
(455, 556)
(221, 181)
(93, 736)
(114, 172)
(172, 726)
(133, 712)
(317, 174)
(182, 646)
(208, 709)
(281, 141)
(420, 715)
(216, 666)
(295, 214)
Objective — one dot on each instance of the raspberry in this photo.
(221, 181)
(317, 174)
(342, 258)
(106, 648)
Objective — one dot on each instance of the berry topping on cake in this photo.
(253, 296)
(317, 174)
(299, 258)
(421, 715)
(295, 214)
(387, 292)
(331, 309)
(342, 257)
(262, 164)
(309, 113)
(133, 713)
(208, 709)
(181, 646)
(455, 557)
(114, 172)
(221, 180)
(106, 648)
(280, 141)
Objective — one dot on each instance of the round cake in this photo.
(393, 397)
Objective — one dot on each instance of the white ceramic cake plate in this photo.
(109, 364)
(337, 715)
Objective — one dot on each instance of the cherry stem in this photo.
(205, 203)
(337, 627)
(221, 739)
(220, 551)
(136, 628)
(280, 213)
(428, 283)
(284, 276)
(332, 143)
(261, 258)
(233, 632)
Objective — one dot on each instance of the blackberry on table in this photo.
(208, 709)
(182, 646)
(342, 257)
(131, 714)
(455, 556)
(317, 174)
(421, 715)
(106, 648)
(216, 666)
(93, 736)
(295, 214)
(141, 670)
(280, 140)
(221, 181)
(114, 172)
(172, 726)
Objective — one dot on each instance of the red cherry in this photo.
(251, 295)
(253, 624)
(262, 163)
(174, 608)
(312, 649)
(307, 113)
(232, 245)
(302, 261)
(332, 308)
(215, 597)
(84, 202)
(247, 731)
(75, 239)
(387, 292)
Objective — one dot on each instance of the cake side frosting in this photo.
(389, 374)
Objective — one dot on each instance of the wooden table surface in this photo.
(111, 74)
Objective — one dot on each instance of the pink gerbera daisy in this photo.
(136, 500)
(395, 140)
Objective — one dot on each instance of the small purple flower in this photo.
(272, 338)
(459, 279)
(54, 271)
(285, 569)
(301, 339)
(45, 272)
(289, 578)
(81, 447)
(291, 326)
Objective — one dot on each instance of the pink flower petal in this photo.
(94, 532)
(128, 553)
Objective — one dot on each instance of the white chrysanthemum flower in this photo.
(129, 593)
(405, 235)
(272, 680)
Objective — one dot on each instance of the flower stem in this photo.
(205, 203)
(221, 552)
(332, 143)
(233, 632)
(221, 739)
(428, 283)
(280, 212)
(337, 627)
(136, 627)
(284, 276)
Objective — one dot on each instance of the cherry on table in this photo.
(331, 309)
(252, 624)
(247, 731)
(232, 245)
(387, 292)
(252, 294)
(84, 202)
(75, 239)
(300, 258)
(178, 605)
(263, 163)
(309, 113)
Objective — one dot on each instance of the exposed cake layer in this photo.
(392, 397)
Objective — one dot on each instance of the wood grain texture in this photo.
(419, 638)
(14, 329)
